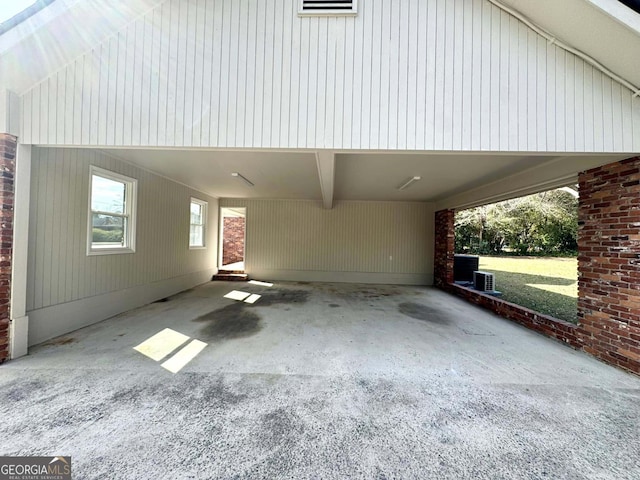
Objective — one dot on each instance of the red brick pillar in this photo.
(609, 263)
(7, 170)
(444, 248)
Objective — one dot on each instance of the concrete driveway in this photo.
(319, 381)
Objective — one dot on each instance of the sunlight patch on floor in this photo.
(184, 356)
(164, 343)
(237, 295)
(241, 296)
(252, 298)
(161, 344)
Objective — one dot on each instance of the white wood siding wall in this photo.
(404, 74)
(59, 269)
(364, 237)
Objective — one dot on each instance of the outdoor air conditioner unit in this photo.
(484, 281)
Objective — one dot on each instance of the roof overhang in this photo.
(606, 30)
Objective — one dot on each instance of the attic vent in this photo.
(328, 7)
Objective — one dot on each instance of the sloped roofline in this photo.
(632, 4)
(625, 12)
(616, 9)
(20, 17)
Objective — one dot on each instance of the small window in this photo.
(198, 225)
(327, 7)
(112, 202)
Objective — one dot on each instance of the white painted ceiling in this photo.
(377, 176)
(275, 175)
(358, 176)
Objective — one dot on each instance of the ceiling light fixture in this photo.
(409, 182)
(246, 180)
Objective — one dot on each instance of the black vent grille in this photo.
(328, 7)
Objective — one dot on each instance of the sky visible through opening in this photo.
(9, 8)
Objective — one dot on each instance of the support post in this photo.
(19, 320)
(8, 145)
(444, 248)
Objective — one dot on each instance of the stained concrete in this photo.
(322, 381)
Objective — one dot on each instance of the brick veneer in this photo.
(608, 270)
(609, 263)
(233, 242)
(444, 248)
(552, 327)
(7, 170)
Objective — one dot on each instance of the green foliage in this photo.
(107, 236)
(541, 224)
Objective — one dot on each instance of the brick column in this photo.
(609, 263)
(7, 170)
(444, 248)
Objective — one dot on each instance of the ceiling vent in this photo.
(325, 7)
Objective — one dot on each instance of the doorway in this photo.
(232, 238)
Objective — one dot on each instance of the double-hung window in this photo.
(112, 208)
(198, 223)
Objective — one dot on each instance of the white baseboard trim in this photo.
(19, 334)
(50, 322)
(342, 277)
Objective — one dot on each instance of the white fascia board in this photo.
(32, 24)
(620, 13)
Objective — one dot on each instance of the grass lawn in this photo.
(547, 285)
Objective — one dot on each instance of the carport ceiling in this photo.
(274, 174)
(377, 176)
(358, 176)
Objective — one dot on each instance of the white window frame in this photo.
(131, 189)
(204, 206)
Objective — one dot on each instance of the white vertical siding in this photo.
(363, 237)
(427, 75)
(59, 269)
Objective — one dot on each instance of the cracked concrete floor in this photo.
(322, 381)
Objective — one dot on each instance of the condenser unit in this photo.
(484, 281)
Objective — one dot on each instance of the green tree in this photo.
(544, 223)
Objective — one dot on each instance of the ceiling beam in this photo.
(556, 173)
(326, 161)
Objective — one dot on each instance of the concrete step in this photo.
(231, 277)
(225, 272)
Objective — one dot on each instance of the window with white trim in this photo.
(112, 208)
(198, 223)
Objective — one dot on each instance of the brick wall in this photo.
(609, 263)
(444, 248)
(7, 170)
(552, 327)
(233, 240)
(608, 270)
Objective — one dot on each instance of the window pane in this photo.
(107, 195)
(196, 236)
(108, 230)
(196, 213)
